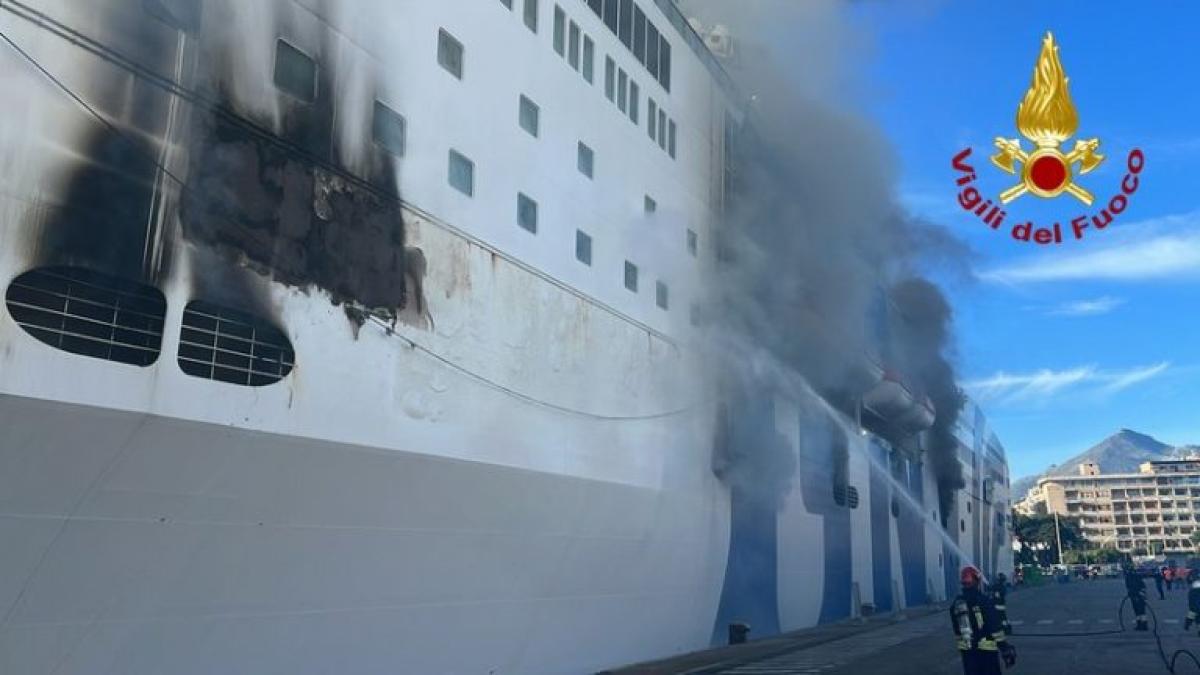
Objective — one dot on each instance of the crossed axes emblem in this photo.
(1046, 171)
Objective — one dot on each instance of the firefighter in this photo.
(977, 628)
(1136, 588)
(1193, 602)
(999, 594)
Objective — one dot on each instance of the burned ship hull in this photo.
(274, 398)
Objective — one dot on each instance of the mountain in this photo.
(1120, 453)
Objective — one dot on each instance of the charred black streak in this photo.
(261, 204)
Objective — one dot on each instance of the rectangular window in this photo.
(610, 77)
(631, 276)
(639, 34)
(597, 6)
(388, 129)
(652, 50)
(560, 30)
(625, 31)
(610, 15)
(622, 86)
(664, 64)
(589, 58)
(660, 294)
(693, 242)
(662, 129)
(527, 116)
(649, 205)
(295, 72)
(652, 123)
(583, 247)
(462, 174)
(450, 54)
(531, 14)
(527, 213)
(634, 94)
(573, 46)
(671, 138)
(585, 160)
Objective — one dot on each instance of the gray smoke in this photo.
(923, 335)
(820, 265)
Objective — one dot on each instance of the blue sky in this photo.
(1062, 345)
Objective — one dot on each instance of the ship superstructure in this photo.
(363, 337)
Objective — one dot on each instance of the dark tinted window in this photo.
(583, 247)
(295, 72)
(89, 313)
(450, 54)
(388, 128)
(217, 343)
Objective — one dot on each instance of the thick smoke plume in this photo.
(923, 332)
(819, 264)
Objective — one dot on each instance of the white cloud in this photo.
(1161, 248)
(1043, 385)
(1101, 305)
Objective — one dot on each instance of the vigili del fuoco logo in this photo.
(1047, 118)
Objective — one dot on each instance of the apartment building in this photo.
(1156, 509)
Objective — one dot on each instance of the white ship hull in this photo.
(514, 474)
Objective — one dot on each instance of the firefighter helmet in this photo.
(970, 576)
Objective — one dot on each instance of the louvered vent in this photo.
(88, 313)
(222, 344)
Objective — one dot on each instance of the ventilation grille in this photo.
(230, 346)
(845, 495)
(89, 313)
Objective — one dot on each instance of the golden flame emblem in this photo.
(1047, 117)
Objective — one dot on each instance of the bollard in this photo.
(738, 632)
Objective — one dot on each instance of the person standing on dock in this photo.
(977, 628)
(1136, 589)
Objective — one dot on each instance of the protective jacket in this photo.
(978, 632)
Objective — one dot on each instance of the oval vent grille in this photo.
(222, 344)
(89, 313)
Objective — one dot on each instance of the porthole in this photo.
(218, 343)
(89, 313)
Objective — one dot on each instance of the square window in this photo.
(634, 94)
(388, 129)
(631, 272)
(589, 58)
(610, 78)
(528, 115)
(586, 160)
(531, 14)
(653, 121)
(622, 87)
(560, 31)
(671, 138)
(660, 294)
(527, 213)
(462, 173)
(573, 46)
(693, 242)
(649, 204)
(583, 247)
(450, 54)
(295, 73)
